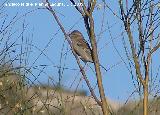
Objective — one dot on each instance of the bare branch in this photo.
(77, 7)
(127, 25)
(77, 59)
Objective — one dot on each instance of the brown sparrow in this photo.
(80, 46)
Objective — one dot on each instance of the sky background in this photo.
(44, 34)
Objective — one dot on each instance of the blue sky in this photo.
(42, 28)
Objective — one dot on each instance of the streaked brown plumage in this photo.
(81, 47)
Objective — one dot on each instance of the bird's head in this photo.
(75, 35)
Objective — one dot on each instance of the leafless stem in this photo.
(77, 59)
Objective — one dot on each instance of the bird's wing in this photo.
(83, 43)
(85, 46)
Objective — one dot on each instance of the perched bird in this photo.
(80, 46)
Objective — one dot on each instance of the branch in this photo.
(77, 59)
(77, 7)
(153, 50)
(105, 106)
(126, 22)
(89, 24)
(93, 6)
(84, 8)
(85, 17)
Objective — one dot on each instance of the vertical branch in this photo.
(147, 56)
(89, 24)
(147, 64)
(105, 107)
(77, 59)
(126, 21)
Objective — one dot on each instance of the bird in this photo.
(80, 46)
